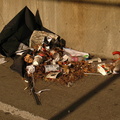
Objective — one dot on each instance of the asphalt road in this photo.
(94, 97)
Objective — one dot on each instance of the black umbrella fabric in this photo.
(18, 30)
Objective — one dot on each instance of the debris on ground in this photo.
(116, 69)
(49, 60)
(39, 54)
(2, 59)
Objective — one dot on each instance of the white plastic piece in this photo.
(103, 69)
(76, 53)
(37, 60)
(30, 69)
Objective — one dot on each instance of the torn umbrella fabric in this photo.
(18, 30)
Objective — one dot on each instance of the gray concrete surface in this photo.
(8, 116)
(90, 98)
(91, 26)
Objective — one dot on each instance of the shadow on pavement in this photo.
(84, 98)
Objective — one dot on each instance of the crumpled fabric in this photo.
(17, 31)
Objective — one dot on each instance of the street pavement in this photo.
(93, 97)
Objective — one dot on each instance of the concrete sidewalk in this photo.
(91, 98)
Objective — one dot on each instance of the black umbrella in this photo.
(18, 30)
